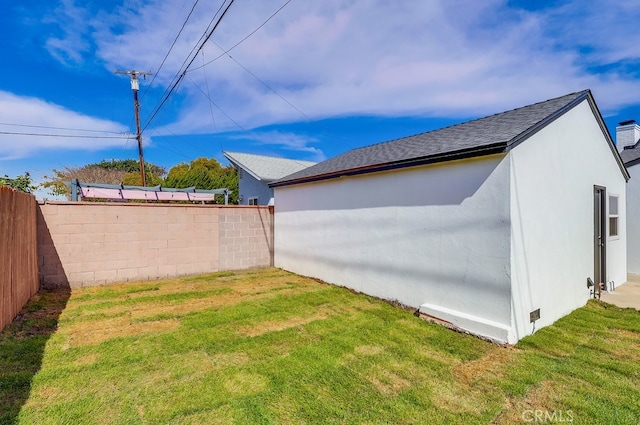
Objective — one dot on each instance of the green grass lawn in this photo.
(269, 346)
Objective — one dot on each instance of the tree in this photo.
(22, 183)
(121, 171)
(134, 179)
(131, 166)
(206, 174)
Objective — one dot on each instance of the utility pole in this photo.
(135, 86)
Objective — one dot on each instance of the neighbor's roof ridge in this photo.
(264, 167)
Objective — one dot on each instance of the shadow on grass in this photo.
(22, 345)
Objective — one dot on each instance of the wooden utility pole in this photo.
(135, 86)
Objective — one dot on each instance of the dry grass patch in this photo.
(484, 367)
(389, 383)
(456, 399)
(87, 360)
(542, 398)
(227, 294)
(630, 350)
(244, 384)
(222, 415)
(322, 312)
(368, 350)
(89, 333)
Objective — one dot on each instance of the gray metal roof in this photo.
(266, 168)
(492, 134)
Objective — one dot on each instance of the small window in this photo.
(253, 201)
(613, 216)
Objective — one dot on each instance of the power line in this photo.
(265, 84)
(244, 39)
(206, 80)
(175, 85)
(60, 128)
(219, 108)
(175, 40)
(66, 135)
(176, 78)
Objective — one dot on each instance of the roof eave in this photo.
(547, 120)
(607, 135)
(557, 114)
(238, 164)
(433, 159)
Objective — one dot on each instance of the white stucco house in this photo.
(627, 141)
(496, 226)
(257, 171)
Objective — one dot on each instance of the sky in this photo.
(297, 79)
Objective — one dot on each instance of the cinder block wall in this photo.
(88, 244)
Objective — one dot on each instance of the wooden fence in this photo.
(18, 252)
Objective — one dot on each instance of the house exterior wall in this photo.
(89, 243)
(633, 220)
(250, 187)
(435, 237)
(553, 174)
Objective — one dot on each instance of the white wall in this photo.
(435, 236)
(633, 220)
(552, 249)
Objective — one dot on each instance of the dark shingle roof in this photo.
(631, 155)
(492, 134)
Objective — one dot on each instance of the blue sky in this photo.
(317, 79)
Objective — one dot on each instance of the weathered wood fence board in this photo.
(18, 252)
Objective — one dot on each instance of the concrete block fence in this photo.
(87, 244)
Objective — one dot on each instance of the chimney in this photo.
(627, 135)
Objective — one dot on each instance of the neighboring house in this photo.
(496, 226)
(627, 141)
(255, 172)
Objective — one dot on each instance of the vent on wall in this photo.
(534, 315)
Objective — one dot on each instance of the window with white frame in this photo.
(253, 201)
(613, 216)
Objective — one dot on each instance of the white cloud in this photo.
(26, 112)
(70, 47)
(360, 57)
(288, 141)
